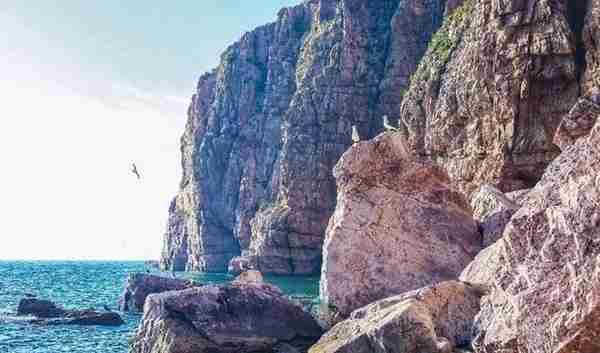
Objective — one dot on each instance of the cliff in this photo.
(496, 81)
(267, 126)
(485, 104)
(503, 108)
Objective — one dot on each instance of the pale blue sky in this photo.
(87, 87)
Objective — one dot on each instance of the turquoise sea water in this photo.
(79, 285)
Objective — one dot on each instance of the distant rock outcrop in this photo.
(435, 319)
(543, 282)
(398, 226)
(267, 126)
(140, 285)
(48, 313)
(237, 318)
(39, 308)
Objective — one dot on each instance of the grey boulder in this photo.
(242, 317)
(140, 285)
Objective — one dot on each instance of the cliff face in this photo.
(267, 126)
(497, 79)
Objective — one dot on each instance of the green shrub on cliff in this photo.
(444, 42)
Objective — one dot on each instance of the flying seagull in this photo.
(387, 125)
(135, 171)
(355, 135)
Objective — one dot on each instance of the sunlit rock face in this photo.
(267, 126)
(495, 84)
(242, 317)
(434, 319)
(542, 275)
(398, 226)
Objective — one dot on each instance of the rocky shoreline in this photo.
(470, 221)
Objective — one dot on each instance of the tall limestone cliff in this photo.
(267, 126)
(498, 77)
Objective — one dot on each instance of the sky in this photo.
(87, 88)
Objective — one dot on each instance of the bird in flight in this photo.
(135, 171)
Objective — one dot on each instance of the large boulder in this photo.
(398, 226)
(493, 209)
(140, 285)
(39, 308)
(544, 285)
(235, 318)
(435, 319)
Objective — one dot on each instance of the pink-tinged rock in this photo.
(434, 319)
(545, 281)
(398, 226)
(493, 87)
(493, 210)
(577, 123)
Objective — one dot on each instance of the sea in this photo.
(90, 284)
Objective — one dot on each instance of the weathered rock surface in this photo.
(40, 308)
(544, 285)
(587, 14)
(494, 85)
(267, 126)
(236, 318)
(493, 210)
(140, 285)
(251, 276)
(435, 319)
(239, 264)
(398, 226)
(577, 123)
(48, 313)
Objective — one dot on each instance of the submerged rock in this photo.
(398, 226)
(435, 319)
(140, 285)
(86, 318)
(544, 285)
(235, 318)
